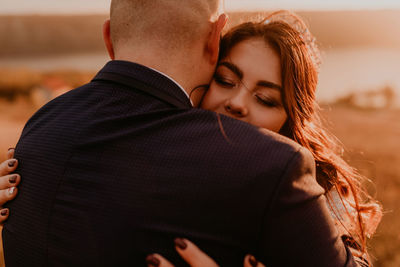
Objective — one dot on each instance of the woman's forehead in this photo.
(256, 60)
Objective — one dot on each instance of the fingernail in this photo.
(11, 148)
(253, 261)
(12, 163)
(180, 243)
(11, 190)
(153, 261)
(4, 212)
(13, 179)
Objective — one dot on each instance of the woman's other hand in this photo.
(193, 256)
(8, 182)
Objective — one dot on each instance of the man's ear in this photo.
(107, 39)
(214, 38)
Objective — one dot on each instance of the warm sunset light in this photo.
(320, 72)
(310, 4)
(101, 6)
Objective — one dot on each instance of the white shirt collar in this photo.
(183, 90)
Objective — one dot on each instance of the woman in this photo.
(267, 76)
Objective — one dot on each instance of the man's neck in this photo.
(177, 73)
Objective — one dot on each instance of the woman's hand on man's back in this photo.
(194, 257)
(8, 183)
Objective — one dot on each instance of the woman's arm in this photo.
(8, 183)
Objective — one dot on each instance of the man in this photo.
(116, 169)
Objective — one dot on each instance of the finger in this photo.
(7, 195)
(250, 261)
(4, 215)
(8, 166)
(156, 260)
(10, 153)
(192, 254)
(10, 180)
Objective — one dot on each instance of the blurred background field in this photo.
(43, 56)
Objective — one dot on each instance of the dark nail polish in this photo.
(4, 212)
(13, 179)
(153, 261)
(253, 261)
(180, 243)
(12, 163)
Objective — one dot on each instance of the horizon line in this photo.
(71, 13)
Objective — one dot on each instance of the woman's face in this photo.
(247, 86)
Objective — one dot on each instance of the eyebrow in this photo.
(269, 85)
(235, 69)
(232, 67)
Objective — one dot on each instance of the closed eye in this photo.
(267, 101)
(224, 82)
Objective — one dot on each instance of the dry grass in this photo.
(13, 116)
(372, 142)
(14, 82)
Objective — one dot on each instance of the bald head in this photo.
(170, 25)
(176, 37)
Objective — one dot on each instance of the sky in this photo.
(102, 6)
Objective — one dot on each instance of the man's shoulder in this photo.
(228, 139)
(237, 132)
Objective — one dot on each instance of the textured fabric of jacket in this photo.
(116, 169)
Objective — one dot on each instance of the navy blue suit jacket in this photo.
(116, 169)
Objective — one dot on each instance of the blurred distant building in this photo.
(384, 98)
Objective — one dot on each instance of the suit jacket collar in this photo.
(147, 80)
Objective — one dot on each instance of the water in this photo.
(356, 70)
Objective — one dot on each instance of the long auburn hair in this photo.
(288, 35)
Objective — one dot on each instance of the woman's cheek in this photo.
(270, 119)
(210, 100)
(280, 121)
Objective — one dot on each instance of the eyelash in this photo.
(226, 83)
(223, 82)
(267, 102)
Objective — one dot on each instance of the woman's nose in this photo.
(237, 106)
